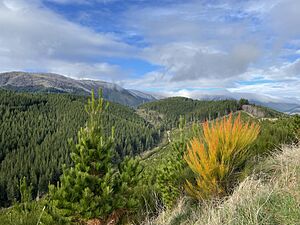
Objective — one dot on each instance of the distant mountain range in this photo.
(54, 83)
(289, 108)
(282, 105)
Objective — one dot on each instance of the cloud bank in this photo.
(34, 38)
(187, 47)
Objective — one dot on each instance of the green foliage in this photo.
(169, 175)
(25, 191)
(96, 186)
(276, 208)
(193, 110)
(129, 184)
(34, 133)
(27, 212)
(167, 182)
(243, 101)
(296, 127)
(270, 195)
(273, 134)
(35, 214)
(35, 128)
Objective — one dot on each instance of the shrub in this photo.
(219, 156)
(169, 182)
(296, 127)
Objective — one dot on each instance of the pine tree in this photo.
(96, 186)
(26, 196)
(25, 191)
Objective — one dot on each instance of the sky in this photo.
(171, 47)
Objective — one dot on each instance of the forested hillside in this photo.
(168, 111)
(99, 183)
(34, 131)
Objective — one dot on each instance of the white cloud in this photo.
(285, 18)
(32, 36)
(199, 45)
(103, 71)
(195, 41)
(282, 81)
(185, 61)
(215, 45)
(190, 21)
(80, 1)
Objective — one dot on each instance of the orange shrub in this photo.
(217, 158)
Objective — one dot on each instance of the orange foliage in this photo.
(217, 158)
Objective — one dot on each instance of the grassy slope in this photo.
(271, 195)
(31, 214)
(268, 196)
(236, 210)
(154, 157)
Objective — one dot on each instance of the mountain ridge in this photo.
(51, 82)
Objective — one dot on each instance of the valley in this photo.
(35, 128)
(140, 112)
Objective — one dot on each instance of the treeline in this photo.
(168, 111)
(34, 133)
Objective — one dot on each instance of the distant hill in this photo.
(295, 110)
(281, 105)
(289, 108)
(168, 111)
(54, 83)
(262, 111)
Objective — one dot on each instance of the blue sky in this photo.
(172, 47)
